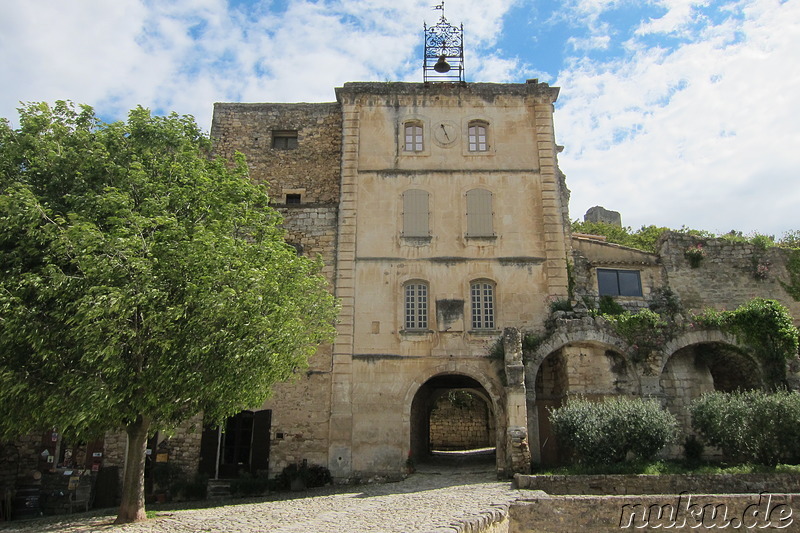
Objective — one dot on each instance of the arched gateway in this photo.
(453, 412)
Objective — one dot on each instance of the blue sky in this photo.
(673, 112)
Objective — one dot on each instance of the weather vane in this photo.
(444, 51)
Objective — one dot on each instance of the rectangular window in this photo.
(415, 213)
(619, 282)
(413, 137)
(284, 139)
(477, 138)
(479, 213)
(482, 298)
(416, 306)
(294, 198)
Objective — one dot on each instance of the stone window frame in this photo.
(475, 121)
(416, 306)
(616, 285)
(483, 305)
(415, 121)
(285, 140)
(298, 197)
(477, 136)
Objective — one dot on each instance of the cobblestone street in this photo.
(427, 501)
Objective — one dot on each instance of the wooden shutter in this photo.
(415, 213)
(479, 213)
(262, 424)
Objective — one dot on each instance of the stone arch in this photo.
(566, 335)
(581, 358)
(424, 390)
(699, 362)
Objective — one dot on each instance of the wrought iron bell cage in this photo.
(444, 52)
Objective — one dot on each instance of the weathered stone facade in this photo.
(441, 219)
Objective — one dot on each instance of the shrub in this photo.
(249, 485)
(609, 306)
(750, 426)
(645, 331)
(606, 432)
(311, 475)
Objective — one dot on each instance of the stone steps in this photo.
(218, 488)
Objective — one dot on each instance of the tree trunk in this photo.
(132, 507)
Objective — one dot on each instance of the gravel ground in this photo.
(426, 501)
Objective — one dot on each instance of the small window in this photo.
(416, 305)
(284, 139)
(413, 137)
(294, 198)
(415, 213)
(619, 282)
(482, 304)
(477, 137)
(479, 213)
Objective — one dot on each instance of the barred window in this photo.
(284, 139)
(477, 137)
(416, 306)
(482, 298)
(413, 137)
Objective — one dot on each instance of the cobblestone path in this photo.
(424, 502)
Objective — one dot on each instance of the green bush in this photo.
(750, 426)
(606, 432)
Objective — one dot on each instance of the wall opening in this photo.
(452, 418)
(694, 370)
(551, 392)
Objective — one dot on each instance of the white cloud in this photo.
(704, 135)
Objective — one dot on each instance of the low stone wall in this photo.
(664, 484)
(684, 512)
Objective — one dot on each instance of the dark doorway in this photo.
(240, 445)
(551, 391)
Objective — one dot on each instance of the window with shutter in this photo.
(415, 213)
(479, 213)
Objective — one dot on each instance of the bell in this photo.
(441, 66)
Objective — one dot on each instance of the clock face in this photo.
(445, 133)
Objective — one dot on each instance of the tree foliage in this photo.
(143, 282)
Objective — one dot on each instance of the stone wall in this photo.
(311, 169)
(460, 427)
(686, 512)
(183, 445)
(300, 419)
(665, 484)
(312, 230)
(729, 275)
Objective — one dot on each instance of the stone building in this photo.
(441, 217)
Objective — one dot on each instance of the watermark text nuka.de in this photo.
(766, 512)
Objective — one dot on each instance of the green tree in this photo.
(143, 282)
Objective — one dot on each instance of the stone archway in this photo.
(453, 427)
(695, 369)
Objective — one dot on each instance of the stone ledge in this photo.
(620, 484)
